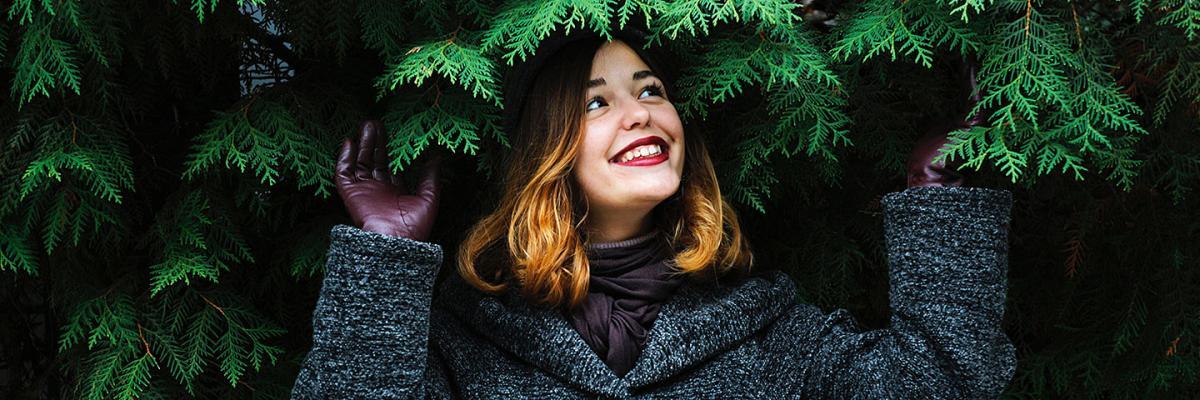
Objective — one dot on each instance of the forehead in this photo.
(615, 59)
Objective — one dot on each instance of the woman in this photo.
(616, 274)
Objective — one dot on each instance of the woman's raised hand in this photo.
(378, 200)
(922, 171)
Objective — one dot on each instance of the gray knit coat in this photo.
(380, 333)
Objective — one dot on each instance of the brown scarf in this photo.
(628, 284)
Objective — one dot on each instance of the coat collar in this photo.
(695, 323)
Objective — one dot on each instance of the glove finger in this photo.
(343, 171)
(365, 161)
(430, 188)
(380, 172)
(398, 182)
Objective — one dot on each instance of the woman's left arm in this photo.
(948, 260)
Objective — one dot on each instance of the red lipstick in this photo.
(662, 144)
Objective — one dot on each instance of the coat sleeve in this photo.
(948, 261)
(371, 322)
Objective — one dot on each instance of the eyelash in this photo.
(655, 89)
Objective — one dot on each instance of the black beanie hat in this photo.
(521, 76)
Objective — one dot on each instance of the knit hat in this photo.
(521, 76)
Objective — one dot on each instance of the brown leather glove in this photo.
(376, 199)
(922, 171)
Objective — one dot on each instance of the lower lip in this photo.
(642, 162)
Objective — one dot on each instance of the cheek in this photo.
(591, 162)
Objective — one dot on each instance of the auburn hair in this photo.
(534, 239)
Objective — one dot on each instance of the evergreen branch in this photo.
(1132, 322)
(135, 377)
(103, 368)
(813, 106)
(243, 342)
(25, 9)
(1025, 69)
(1180, 63)
(69, 213)
(15, 253)
(752, 180)
(203, 8)
(521, 24)
(736, 60)
(647, 8)
(379, 28)
(965, 7)
(1182, 14)
(262, 135)
(688, 15)
(43, 63)
(452, 59)
(199, 343)
(196, 244)
(917, 27)
(73, 148)
(451, 120)
(308, 256)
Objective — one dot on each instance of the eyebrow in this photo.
(636, 76)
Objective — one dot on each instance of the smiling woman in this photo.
(628, 118)
(613, 267)
(594, 99)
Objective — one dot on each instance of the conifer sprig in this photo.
(77, 171)
(442, 116)
(518, 28)
(198, 242)
(263, 135)
(15, 252)
(802, 93)
(455, 59)
(911, 28)
(1183, 14)
(130, 339)
(48, 54)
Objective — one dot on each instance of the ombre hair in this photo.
(535, 238)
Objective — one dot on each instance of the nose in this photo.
(634, 113)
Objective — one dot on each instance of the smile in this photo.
(645, 161)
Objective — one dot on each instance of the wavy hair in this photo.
(534, 240)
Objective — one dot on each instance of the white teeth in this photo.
(641, 151)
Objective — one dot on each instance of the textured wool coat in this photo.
(380, 333)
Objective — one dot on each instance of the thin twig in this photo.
(142, 336)
(214, 305)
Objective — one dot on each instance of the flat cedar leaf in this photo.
(135, 377)
(264, 136)
(1182, 14)
(43, 63)
(522, 24)
(912, 29)
(15, 253)
(1029, 68)
(25, 9)
(964, 8)
(454, 60)
(450, 119)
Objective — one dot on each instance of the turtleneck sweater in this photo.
(629, 280)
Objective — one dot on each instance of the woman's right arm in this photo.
(371, 322)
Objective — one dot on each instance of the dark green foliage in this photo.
(166, 165)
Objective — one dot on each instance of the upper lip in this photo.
(641, 142)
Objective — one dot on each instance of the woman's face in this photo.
(625, 103)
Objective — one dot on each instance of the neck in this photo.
(617, 226)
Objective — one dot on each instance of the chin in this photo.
(656, 192)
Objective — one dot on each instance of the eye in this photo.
(654, 89)
(599, 101)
